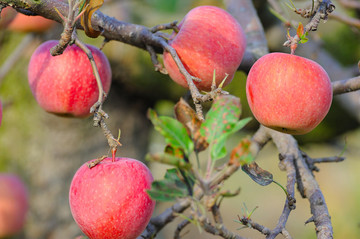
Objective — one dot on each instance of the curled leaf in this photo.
(258, 174)
(90, 7)
(300, 30)
(188, 117)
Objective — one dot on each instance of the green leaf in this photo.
(241, 153)
(174, 132)
(169, 188)
(222, 121)
(219, 150)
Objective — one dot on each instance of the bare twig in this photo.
(99, 114)
(161, 27)
(158, 222)
(320, 12)
(69, 27)
(287, 163)
(102, 94)
(180, 227)
(345, 86)
(220, 230)
(251, 224)
(287, 145)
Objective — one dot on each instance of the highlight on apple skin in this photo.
(209, 39)
(65, 84)
(109, 200)
(14, 204)
(288, 93)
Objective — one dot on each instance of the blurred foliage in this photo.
(347, 53)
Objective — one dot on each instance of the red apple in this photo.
(110, 201)
(21, 23)
(13, 204)
(65, 84)
(209, 39)
(288, 93)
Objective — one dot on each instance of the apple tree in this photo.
(212, 134)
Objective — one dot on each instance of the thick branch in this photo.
(287, 145)
(345, 86)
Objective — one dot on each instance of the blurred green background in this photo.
(47, 150)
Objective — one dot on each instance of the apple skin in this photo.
(110, 201)
(209, 39)
(19, 22)
(288, 93)
(65, 84)
(7, 15)
(13, 204)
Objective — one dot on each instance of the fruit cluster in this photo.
(285, 92)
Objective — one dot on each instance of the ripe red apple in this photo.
(288, 93)
(209, 39)
(21, 23)
(13, 204)
(65, 84)
(110, 201)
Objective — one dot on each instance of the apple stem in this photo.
(113, 153)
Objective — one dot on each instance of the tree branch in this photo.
(345, 86)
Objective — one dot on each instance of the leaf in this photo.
(241, 153)
(221, 121)
(258, 174)
(300, 30)
(169, 188)
(219, 149)
(174, 132)
(90, 7)
(303, 38)
(167, 158)
(188, 117)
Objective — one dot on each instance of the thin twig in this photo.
(287, 163)
(322, 10)
(221, 230)
(251, 224)
(69, 27)
(180, 227)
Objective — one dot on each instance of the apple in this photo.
(110, 201)
(288, 93)
(7, 15)
(13, 204)
(19, 22)
(209, 39)
(65, 84)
